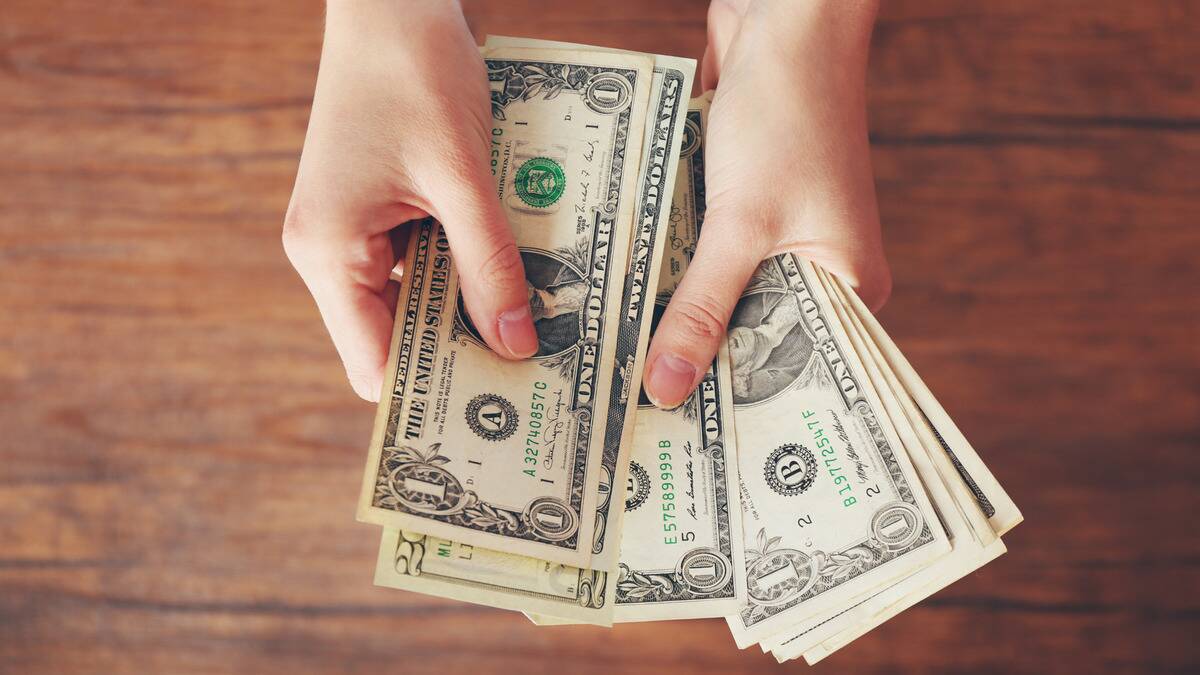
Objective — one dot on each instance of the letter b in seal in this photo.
(790, 469)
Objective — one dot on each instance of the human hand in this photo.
(788, 169)
(400, 129)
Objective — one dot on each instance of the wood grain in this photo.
(180, 454)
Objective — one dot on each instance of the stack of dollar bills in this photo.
(810, 488)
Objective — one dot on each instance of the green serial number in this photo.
(667, 486)
(534, 433)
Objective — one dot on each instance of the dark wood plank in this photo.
(180, 453)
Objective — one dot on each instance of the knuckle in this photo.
(753, 226)
(884, 287)
(364, 260)
(698, 320)
(294, 235)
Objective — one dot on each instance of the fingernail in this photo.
(671, 380)
(517, 332)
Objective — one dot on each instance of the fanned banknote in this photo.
(831, 505)
(501, 455)
(973, 542)
(973, 474)
(993, 500)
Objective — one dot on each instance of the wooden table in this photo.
(180, 454)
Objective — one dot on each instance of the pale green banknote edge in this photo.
(432, 566)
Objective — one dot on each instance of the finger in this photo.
(349, 281)
(490, 270)
(856, 256)
(709, 69)
(693, 325)
(873, 283)
(359, 320)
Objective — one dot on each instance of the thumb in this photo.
(693, 326)
(491, 274)
(724, 19)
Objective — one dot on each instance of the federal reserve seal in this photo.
(637, 488)
(491, 417)
(790, 469)
(540, 182)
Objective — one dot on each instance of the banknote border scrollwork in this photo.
(985, 504)
(466, 509)
(598, 104)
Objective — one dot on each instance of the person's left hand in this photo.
(788, 169)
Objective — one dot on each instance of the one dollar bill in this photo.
(972, 540)
(494, 454)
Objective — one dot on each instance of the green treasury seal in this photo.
(540, 182)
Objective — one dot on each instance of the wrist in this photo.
(405, 7)
(372, 29)
(790, 33)
(360, 19)
(839, 25)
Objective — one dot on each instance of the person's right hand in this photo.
(400, 129)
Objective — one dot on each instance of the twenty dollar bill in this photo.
(662, 140)
(681, 553)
